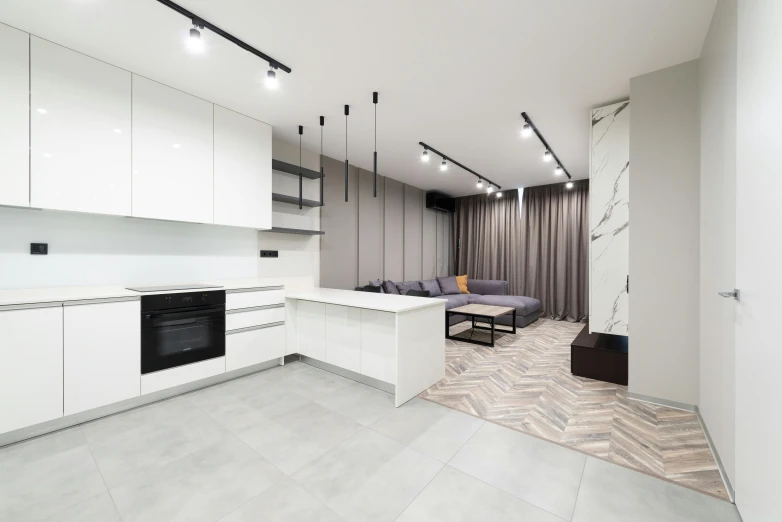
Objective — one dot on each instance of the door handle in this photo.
(735, 294)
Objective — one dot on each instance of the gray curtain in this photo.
(541, 249)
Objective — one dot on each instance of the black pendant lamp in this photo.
(301, 184)
(322, 123)
(347, 113)
(374, 181)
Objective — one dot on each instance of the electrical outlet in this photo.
(39, 249)
(269, 253)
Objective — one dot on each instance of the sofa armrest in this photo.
(487, 286)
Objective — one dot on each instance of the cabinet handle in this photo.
(251, 328)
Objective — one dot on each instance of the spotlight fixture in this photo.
(446, 159)
(480, 183)
(271, 79)
(425, 156)
(499, 194)
(194, 41)
(444, 165)
(548, 154)
(569, 185)
(490, 189)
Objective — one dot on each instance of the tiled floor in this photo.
(524, 383)
(298, 444)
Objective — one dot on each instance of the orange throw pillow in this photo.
(462, 282)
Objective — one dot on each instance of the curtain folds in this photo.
(542, 249)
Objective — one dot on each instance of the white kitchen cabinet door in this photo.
(30, 367)
(102, 354)
(14, 117)
(343, 337)
(311, 319)
(250, 347)
(242, 170)
(378, 345)
(172, 154)
(79, 132)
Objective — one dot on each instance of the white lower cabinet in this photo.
(164, 379)
(343, 337)
(31, 380)
(311, 318)
(378, 345)
(248, 347)
(102, 354)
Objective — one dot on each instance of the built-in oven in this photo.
(179, 329)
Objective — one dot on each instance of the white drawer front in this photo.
(234, 301)
(163, 379)
(239, 320)
(250, 347)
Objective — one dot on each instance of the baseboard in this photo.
(348, 374)
(723, 473)
(661, 402)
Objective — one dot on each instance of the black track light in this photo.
(425, 156)
(271, 78)
(194, 41)
(444, 165)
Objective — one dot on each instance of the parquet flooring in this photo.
(525, 383)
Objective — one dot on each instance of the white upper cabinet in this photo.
(242, 170)
(14, 117)
(172, 154)
(80, 132)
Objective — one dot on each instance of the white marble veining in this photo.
(609, 221)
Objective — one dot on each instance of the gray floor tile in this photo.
(454, 496)
(429, 428)
(299, 436)
(47, 475)
(99, 508)
(540, 472)
(359, 402)
(369, 477)
(313, 383)
(203, 486)
(611, 493)
(129, 444)
(283, 502)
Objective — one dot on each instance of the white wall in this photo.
(87, 249)
(664, 238)
(718, 232)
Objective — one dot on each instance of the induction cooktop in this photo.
(163, 288)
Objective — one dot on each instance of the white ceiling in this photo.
(454, 74)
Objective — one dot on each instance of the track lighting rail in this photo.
(200, 22)
(528, 121)
(468, 169)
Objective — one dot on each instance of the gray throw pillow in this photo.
(432, 286)
(390, 287)
(448, 285)
(378, 282)
(407, 285)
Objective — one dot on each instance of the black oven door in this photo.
(181, 336)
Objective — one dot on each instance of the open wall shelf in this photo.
(299, 231)
(294, 200)
(289, 168)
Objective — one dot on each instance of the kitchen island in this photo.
(392, 342)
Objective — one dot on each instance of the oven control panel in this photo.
(150, 303)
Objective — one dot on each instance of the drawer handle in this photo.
(254, 308)
(251, 328)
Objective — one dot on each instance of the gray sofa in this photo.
(489, 292)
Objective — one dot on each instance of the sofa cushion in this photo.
(448, 285)
(432, 286)
(407, 285)
(523, 305)
(390, 287)
(461, 281)
(378, 282)
(488, 287)
(454, 300)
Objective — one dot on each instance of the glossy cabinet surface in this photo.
(102, 354)
(242, 170)
(311, 324)
(79, 132)
(250, 347)
(343, 337)
(172, 154)
(31, 380)
(378, 345)
(14, 117)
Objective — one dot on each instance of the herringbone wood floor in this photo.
(525, 383)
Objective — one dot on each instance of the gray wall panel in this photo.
(394, 230)
(429, 240)
(339, 246)
(413, 233)
(370, 228)
(443, 244)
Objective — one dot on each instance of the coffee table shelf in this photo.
(476, 312)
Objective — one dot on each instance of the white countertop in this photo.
(79, 293)
(382, 302)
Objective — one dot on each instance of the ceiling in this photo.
(455, 75)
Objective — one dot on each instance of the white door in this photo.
(242, 170)
(172, 154)
(14, 117)
(758, 261)
(102, 354)
(79, 132)
(30, 367)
